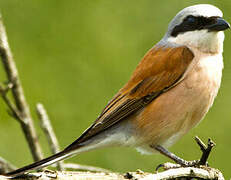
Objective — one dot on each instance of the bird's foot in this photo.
(183, 163)
(168, 165)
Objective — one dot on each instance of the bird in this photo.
(169, 92)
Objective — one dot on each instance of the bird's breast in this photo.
(205, 74)
(203, 83)
(176, 111)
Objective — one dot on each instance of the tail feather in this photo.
(40, 164)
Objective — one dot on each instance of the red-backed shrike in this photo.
(169, 92)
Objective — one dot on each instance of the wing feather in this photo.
(159, 70)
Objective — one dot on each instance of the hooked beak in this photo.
(219, 25)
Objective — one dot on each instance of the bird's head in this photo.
(200, 26)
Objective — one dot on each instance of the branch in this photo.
(18, 95)
(72, 166)
(12, 109)
(5, 166)
(180, 173)
(48, 131)
(200, 173)
(206, 150)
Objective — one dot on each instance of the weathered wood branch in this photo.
(81, 167)
(49, 132)
(179, 173)
(21, 107)
(5, 166)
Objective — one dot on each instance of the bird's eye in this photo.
(191, 19)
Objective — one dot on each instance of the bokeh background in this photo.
(74, 55)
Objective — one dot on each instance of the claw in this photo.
(159, 166)
(167, 166)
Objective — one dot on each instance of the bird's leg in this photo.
(175, 158)
(181, 162)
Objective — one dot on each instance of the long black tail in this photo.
(42, 163)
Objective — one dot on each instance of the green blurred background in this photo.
(74, 55)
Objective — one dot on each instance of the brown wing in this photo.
(159, 70)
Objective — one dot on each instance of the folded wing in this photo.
(159, 70)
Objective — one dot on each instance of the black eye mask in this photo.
(192, 23)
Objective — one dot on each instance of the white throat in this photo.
(204, 41)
